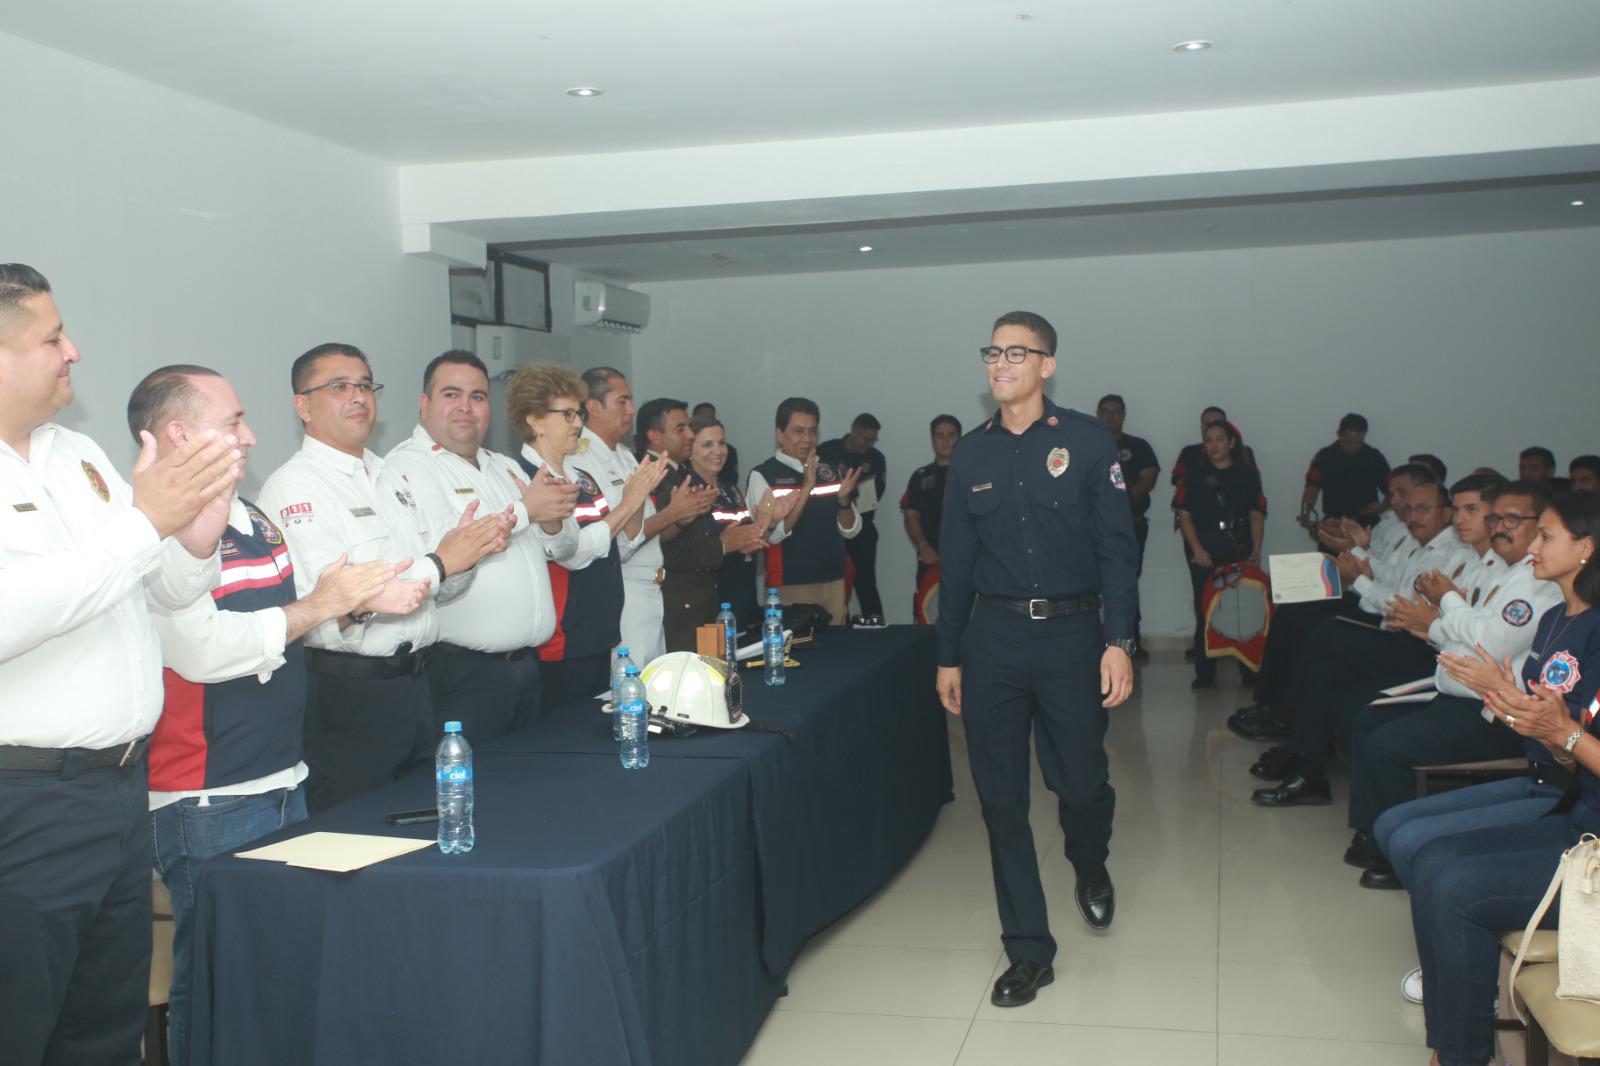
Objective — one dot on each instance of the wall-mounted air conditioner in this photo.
(597, 304)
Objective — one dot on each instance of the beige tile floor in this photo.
(1241, 938)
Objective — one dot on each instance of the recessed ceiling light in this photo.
(865, 248)
(1191, 46)
(1576, 203)
(585, 91)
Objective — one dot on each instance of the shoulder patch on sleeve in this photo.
(1517, 613)
(1117, 480)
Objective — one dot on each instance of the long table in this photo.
(606, 916)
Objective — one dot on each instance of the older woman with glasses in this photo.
(545, 404)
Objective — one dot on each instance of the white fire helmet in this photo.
(684, 687)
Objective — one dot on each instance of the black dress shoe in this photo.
(1380, 875)
(1097, 900)
(1297, 791)
(1362, 852)
(1253, 710)
(1020, 983)
(1202, 682)
(1265, 727)
(1275, 764)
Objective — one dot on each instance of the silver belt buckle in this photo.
(1035, 606)
(127, 752)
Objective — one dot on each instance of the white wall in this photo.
(174, 230)
(1471, 347)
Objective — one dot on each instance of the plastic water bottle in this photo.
(774, 601)
(772, 646)
(730, 633)
(452, 772)
(619, 666)
(633, 714)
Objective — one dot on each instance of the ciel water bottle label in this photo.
(456, 775)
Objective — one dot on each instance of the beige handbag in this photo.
(1578, 938)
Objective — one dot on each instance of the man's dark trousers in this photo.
(1340, 669)
(75, 855)
(1389, 743)
(863, 552)
(1021, 676)
(489, 693)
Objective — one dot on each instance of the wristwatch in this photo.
(1128, 646)
(1572, 741)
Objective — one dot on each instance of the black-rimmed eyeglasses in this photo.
(342, 389)
(1014, 354)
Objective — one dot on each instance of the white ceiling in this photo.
(1174, 226)
(414, 81)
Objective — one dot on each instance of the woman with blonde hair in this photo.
(545, 405)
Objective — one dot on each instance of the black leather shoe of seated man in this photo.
(1097, 900)
(1020, 983)
(1380, 875)
(1275, 764)
(1296, 791)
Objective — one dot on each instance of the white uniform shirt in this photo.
(207, 645)
(1445, 553)
(756, 488)
(1500, 610)
(594, 539)
(609, 468)
(330, 504)
(80, 664)
(509, 605)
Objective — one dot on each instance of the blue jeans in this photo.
(1466, 890)
(187, 834)
(1400, 832)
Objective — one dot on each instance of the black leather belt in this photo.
(514, 655)
(404, 663)
(71, 760)
(1038, 610)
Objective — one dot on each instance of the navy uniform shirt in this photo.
(1566, 657)
(1136, 456)
(1040, 515)
(925, 495)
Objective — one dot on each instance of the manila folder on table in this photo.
(1303, 578)
(336, 852)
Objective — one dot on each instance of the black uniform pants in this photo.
(863, 552)
(1020, 678)
(1389, 743)
(1141, 535)
(363, 731)
(1340, 670)
(487, 694)
(1290, 625)
(75, 858)
(688, 601)
(572, 680)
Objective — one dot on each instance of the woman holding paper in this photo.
(1222, 513)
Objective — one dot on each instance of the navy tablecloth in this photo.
(606, 916)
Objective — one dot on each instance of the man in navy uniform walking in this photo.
(1037, 529)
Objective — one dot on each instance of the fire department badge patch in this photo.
(1058, 461)
(96, 482)
(1560, 673)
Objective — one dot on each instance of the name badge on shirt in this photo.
(362, 512)
(985, 487)
(465, 492)
(23, 508)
